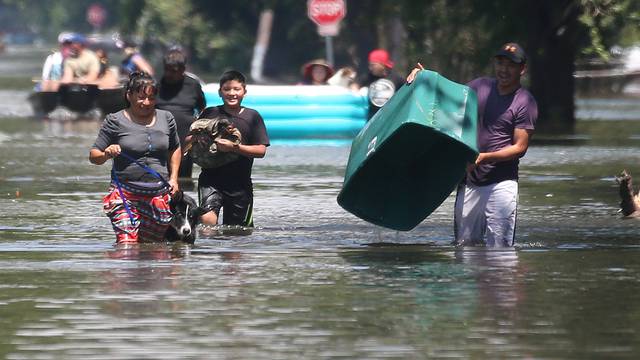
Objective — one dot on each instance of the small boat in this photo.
(80, 100)
(43, 102)
(303, 111)
(78, 97)
(412, 154)
(111, 100)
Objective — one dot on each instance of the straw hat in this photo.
(306, 68)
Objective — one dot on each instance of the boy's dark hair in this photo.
(139, 81)
(233, 75)
(175, 58)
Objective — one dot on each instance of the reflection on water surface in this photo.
(313, 281)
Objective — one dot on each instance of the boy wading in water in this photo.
(229, 186)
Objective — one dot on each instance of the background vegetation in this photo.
(454, 37)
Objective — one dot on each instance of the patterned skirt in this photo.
(149, 219)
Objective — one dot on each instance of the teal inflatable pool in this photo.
(412, 154)
(303, 111)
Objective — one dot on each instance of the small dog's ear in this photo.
(177, 196)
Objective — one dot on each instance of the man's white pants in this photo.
(486, 214)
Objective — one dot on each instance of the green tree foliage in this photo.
(454, 37)
(609, 23)
(49, 18)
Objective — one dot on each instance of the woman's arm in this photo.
(98, 157)
(175, 157)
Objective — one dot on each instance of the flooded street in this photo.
(313, 281)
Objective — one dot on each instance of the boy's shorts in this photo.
(237, 204)
(486, 214)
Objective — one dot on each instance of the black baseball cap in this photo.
(513, 52)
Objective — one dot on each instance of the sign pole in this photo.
(327, 15)
(329, 49)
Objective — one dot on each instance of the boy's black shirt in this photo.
(236, 174)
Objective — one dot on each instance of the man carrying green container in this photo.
(486, 201)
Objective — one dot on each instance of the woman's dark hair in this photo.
(233, 75)
(139, 81)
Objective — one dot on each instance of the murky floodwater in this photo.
(313, 281)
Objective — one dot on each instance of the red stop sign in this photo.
(326, 12)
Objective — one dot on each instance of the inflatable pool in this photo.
(303, 111)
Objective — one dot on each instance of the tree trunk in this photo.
(397, 43)
(262, 44)
(362, 29)
(552, 50)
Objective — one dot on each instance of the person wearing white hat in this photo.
(52, 68)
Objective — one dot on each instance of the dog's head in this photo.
(343, 77)
(626, 186)
(629, 201)
(186, 216)
(624, 177)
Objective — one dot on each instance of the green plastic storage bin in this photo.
(412, 154)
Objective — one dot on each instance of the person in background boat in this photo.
(144, 145)
(104, 60)
(108, 77)
(133, 61)
(52, 68)
(382, 82)
(229, 186)
(182, 95)
(82, 65)
(316, 72)
(486, 200)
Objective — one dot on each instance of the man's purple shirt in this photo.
(498, 117)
